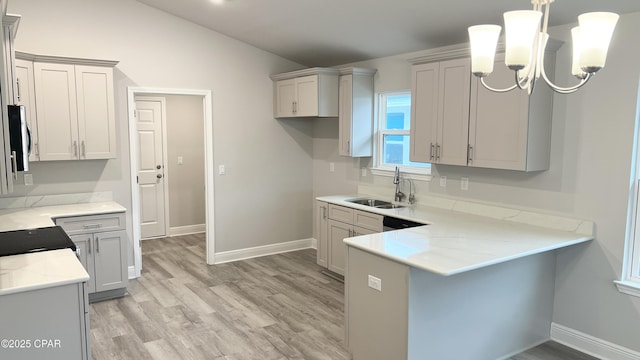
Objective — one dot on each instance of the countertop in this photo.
(47, 268)
(36, 217)
(40, 270)
(453, 242)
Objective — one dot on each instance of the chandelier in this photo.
(525, 41)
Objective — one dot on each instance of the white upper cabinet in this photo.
(26, 96)
(356, 112)
(456, 121)
(7, 77)
(306, 93)
(510, 130)
(440, 112)
(75, 109)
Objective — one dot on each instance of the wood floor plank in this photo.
(277, 307)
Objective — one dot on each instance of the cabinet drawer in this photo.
(341, 213)
(368, 220)
(92, 223)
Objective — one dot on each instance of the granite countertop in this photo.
(36, 217)
(40, 270)
(453, 242)
(44, 269)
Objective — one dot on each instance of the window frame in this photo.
(380, 168)
(630, 279)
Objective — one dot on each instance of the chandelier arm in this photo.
(564, 90)
(496, 90)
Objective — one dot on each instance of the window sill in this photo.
(628, 287)
(407, 174)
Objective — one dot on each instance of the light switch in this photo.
(464, 183)
(28, 179)
(221, 169)
(332, 167)
(443, 181)
(180, 160)
(364, 172)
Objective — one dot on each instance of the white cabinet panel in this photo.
(75, 108)
(338, 231)
(306, 93)
(440, 112)
(55, 87)
(26, 96)
(96, 118)
(356, 112)
(109, 260)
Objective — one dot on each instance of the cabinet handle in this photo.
(97, 244)
(349, 147)
(295, 107)
(37, 148)
(75, 149)
(324, 212)
(84, 150)
(437, 152)
(431, 152)
(89, 246)
(18, 87)
(91, 226)
(470, 153)
(78, 252)
(14, 163)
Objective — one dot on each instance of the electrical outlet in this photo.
(180, 160)
(443, 181)
(375, 283)
(464, 183)
(364, 172)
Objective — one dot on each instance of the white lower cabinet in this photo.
(51, 323)
(341, 222)
(101, 240)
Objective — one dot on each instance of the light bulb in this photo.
(484, 39)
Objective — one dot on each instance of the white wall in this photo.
(592, 140)
(267, 161)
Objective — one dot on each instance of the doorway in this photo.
(135, 143)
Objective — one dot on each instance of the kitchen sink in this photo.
(380, 204)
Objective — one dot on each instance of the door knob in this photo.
(159, 176)
(158, 167)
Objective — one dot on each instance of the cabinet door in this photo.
(345, 106)
(55, 87)
(453, 112)
(424, 112)
(307, 96)
(26, 96)
(85, 255)
(322, 212)
(498, 122)
(96, 118)
(338, 231)
(110, 260)
(285, 97)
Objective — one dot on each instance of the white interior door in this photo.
(150, 115)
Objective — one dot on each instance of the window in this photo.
(393, 137)
(630, 282)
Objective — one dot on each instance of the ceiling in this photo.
(335, 32)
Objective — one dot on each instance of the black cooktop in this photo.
(34, 240)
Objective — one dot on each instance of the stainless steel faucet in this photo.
(396, 180)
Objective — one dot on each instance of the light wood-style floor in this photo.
(273, 307)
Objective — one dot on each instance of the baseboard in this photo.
(248, 253)
(186, 230)
(591, 345)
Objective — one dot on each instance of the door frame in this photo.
(163, 104)
(208, 165)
